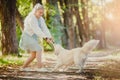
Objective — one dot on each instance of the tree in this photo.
(85, 19)
(19, 19)
(64, 30)
(53, 19)
(37, 1)
(79, 24)
(68, 22)
(9, 41)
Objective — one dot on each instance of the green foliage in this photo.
(51, 10)
(10, 60)
(48, 46)
(53, 23)
(19, 32)
(24, 6)
(56, 32)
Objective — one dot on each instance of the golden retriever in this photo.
(76, 56)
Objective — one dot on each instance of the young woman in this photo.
(34, 31)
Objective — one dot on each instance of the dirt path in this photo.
(92, 71)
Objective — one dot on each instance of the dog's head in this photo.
(57, 49)
(90, 45)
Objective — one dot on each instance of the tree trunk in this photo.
(19, 19)
(68, 22)
(9, 40)
(64, 31)
(103, 40)
(0, 9)
(85, 19)
(79, 23)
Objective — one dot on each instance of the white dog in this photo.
(75, 56)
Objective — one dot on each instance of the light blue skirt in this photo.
(29, 43)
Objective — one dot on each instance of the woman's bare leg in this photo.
(30, 59)
(38, 58)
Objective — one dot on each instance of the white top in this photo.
(32, 25)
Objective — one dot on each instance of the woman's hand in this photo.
(49, 40)
(52, 40)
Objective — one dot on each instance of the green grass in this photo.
(10, 61)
